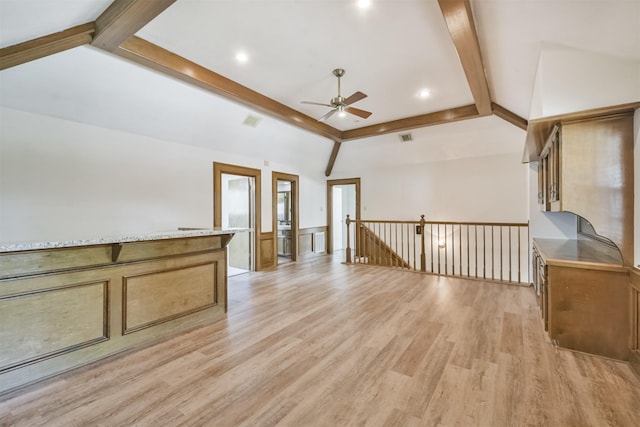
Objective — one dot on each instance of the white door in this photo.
(238, 210)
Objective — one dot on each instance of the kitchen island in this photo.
(68, 303)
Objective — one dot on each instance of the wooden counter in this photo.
(584, 295)
(66, 304)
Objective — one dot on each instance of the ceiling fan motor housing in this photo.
(338, 101)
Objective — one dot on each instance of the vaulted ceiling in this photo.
(475, 59)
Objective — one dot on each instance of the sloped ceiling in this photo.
(390, 51)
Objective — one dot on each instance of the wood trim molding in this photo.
(430, 119)
(509, 116)
(330, 184)
(148, 54)
(123, 18)
(295, 191)
(21, 53)
(459, 19)
(332, 158)
(634, 319)
(218, 170)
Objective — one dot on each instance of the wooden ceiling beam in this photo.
(150, 55)
(123, 18)
(332, 158)
(459, 19)
(424, 120)
(21, 53)
(509, 116)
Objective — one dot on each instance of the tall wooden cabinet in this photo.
(585, 166)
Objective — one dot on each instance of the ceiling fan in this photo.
(341, 105)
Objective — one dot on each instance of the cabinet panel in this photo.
(587, 310)
(42, 324)
(583, 295)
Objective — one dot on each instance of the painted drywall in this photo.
(65, 180)
(490, 188)
(570, 80)
(547, 225)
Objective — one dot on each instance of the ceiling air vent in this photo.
(251, 121)
(405, 137)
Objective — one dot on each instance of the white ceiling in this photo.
(389, 51)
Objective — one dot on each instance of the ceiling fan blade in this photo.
(326, 116)
(358, 112)
(354, 98)
(316, 103)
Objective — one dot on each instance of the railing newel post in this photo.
(423, 257)
(348, 255)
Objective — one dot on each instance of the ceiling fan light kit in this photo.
(340, 104)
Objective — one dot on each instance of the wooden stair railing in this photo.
(485, 250)
(376, 250)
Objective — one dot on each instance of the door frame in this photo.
(224, 168)
(330, 184)
(295, 191)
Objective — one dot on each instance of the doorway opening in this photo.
(285, 216)
(236, 205)
(343, 198)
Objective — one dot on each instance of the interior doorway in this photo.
(285, 215)
(237, 205)
(343, 198)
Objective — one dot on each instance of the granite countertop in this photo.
(29, 246)
(580, 253)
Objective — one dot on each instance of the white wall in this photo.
(547, 225)
(570, 80)
(491, 188)
(64, 180)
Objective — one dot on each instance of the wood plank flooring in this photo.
(319, 343)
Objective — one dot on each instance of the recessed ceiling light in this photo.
(424, 93)
(363, 4)
(242, 57)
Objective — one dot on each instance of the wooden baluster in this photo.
(395, 259)
(415, 258)
(493, 275)
(475, 233)
(510, 255)
(356, 254)
(484, 251)
(519, 260)
(453, 249)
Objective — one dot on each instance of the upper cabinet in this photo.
(586, 167)
(549, 173)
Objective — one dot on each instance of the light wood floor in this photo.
(319, 343)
